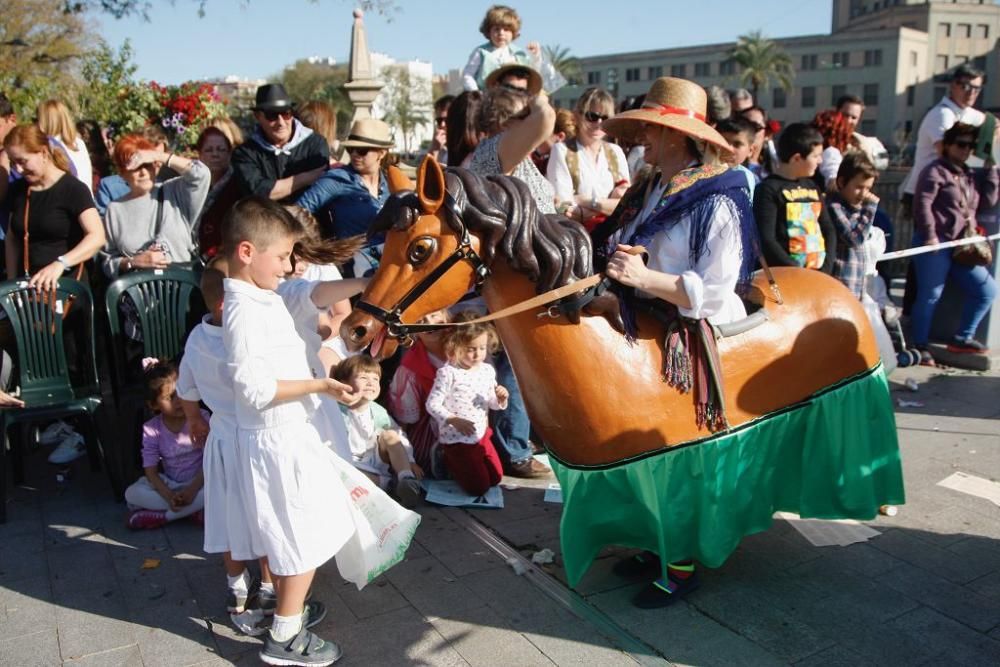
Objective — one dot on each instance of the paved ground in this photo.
(73, 590)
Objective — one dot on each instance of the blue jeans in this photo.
(933, 269)
(511, 428)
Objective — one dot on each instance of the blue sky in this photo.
(257, 38)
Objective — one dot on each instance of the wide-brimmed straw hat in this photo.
(369, 133)
(675, 103)
(534, 78)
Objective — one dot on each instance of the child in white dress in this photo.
(501, 26)
(465, 390)
(205, 376)
(297, 505)
(379, 448)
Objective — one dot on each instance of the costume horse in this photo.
(810, 423)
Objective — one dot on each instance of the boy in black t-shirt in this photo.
(795, 228)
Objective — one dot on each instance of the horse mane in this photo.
(550, 250)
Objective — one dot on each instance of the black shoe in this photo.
(656, 596)
(304, 649)
(236, 602)
(643, 565)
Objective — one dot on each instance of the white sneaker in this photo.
(70, 449)
(55, 432)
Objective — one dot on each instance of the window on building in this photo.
(873, 58)
(982, 31)
(632, 74)
(979, 62)
(678, 70)
(702, 69)
(870, 95)
(964, 30)
(808, 97)
(940, 64)
(593, 78)
(838, 91)
(908, 127)
(780, 100)
(911, 93)
(959, 60)
(727, 68)
(655, 72)
(944, 30)
(842, 59)
(913, 58)
(868, 127)
(809, 62)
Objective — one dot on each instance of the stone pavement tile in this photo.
(874, 601)
(118, 532)
(681, 633)
(376, 598)
(783, 549)
(16, 565)
(979, 550)
(186, 537)
(520, 503)
(22, 518)
(862, 558)
(36, 649)
(432, 588)
(952, 600)
(170, 634)
(401, 637)
(834, 656)
(85, 565)
(948, 640)
(25, 607)
(600, 576)
(458, 549)
(947, 526)
(126, 656)
(230, 643)
(92, 624)
(904, 545)
(786, 589)
(988, 586)
(482, 637)
(156, 586)
(208, 581)
(67, 525)
(529, 534)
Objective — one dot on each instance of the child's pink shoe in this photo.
(146, 519)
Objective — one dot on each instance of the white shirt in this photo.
(204, 374)
(832, 157)
(596, 179)
(932, 128)
(263, 347)
(469, 393)
(363, 433)
(710, 285)
(78, 155)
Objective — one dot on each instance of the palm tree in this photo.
(564, 63)
(761, 61)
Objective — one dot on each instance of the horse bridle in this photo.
(395, 328)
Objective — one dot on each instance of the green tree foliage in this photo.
(407, 102)
(112, 96)
(564, 62)
(306, 81)
(762, 62)
(125, 8)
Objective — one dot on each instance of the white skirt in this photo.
(297, 505)
(226, 526)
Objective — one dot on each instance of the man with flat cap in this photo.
(283, 156)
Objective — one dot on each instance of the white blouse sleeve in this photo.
(436, 399)
(187, 386)
(713, 279)
(558, 173)
(471, 70)
(254, 380)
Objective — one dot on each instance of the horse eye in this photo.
(421, 249)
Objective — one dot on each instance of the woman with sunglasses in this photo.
(948, 195)
(589, 174)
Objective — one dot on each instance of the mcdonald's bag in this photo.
(383, 528)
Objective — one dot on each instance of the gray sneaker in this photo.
(408, 491)
(254, 622)
(304, 649)
(236, 601)
(267, 601)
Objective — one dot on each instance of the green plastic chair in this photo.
(166, 301)
(46, 387)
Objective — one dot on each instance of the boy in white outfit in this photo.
(204, 376)
(297, 505)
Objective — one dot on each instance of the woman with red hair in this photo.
(152, 226)
(837, 133)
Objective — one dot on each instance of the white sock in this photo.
(267, 587)
(284, 628)
(240, 583)
(404, 474)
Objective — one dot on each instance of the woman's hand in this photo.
(8, 401)
(619, 190)
(142, 157)
(47, 278)
(626, 268)
(154, 258)
(344, 393)
(463, 426)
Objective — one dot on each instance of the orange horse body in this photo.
(595, 398)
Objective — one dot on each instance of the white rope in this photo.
(931, 248)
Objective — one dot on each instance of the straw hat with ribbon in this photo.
(369, 133)
(675, 103)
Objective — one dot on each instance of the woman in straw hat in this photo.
(694, 216)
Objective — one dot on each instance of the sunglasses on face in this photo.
(441, 121)
(965, 144)
(272, 116)
(969, 87)
(515, 88)
(360, 152)
(593, 117)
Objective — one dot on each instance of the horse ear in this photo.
(430, 185)
(397, 180)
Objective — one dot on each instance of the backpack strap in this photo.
(616, 168)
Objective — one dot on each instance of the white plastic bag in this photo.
(384, 528)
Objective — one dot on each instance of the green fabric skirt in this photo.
(834, 456)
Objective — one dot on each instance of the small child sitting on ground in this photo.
(501, 26)
(378, 445)
(465, 390)
(158, 498)
(852, 208)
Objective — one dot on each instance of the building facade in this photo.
(415, 88)
(894, 54)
